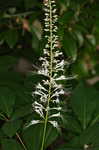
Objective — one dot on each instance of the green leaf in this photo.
(51, 135)
(71, 123)
(84, 100)
(11, 37)
(35, 133)
(22, 112)
(12, 80)
(23, 97)
(79, 37)
(1, 134)
(11, 127)
(91, 39)
(35, 39)
(90, 137)
(7, 100)
(69, 45)
(7, 62)
(31, 3)
(80, 68)
(95, 148)
(66, 18)
(8, 144)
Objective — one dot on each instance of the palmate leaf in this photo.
(80, 68)
(8, 144)
(10, 128)
(7, 62)
(66, 18)
(7, 100)
(71, 123)
(14, 83)
(89, 137)
(84, 101)
(69, 45)
(11, 37)
(11, 79)
(22, 111)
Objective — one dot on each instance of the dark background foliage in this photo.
(21, 44)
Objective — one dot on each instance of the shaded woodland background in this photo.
(21, 44)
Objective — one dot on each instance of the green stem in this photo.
(20, 140)
(50, 76)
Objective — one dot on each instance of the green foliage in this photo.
(10, 128)
(7, 100)
(21, 23)
(9, 144)
(11, 37)
(70, 49)
(84, 103)
(37, 130)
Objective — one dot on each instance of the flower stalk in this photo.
(47, 105)
(51, 63)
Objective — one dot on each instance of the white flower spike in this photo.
(48, 92)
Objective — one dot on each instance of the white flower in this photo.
(47, 46)
(46, 19)
(46, 82)
(55, 29)
(55, 20)
(45, 63)
(46, 25)
(46, 30)
(43, 71)
(57, 101)
(55, 108)
(46, 14)
(52, 1)
(39, 92)
(60, 78)
(44, 98)
(57, 93)
(33, 122)
(55, 16)
(46, 52)
(55, 124)
(55, 115)
(57, 54)
(46, 10)
(54, 5)
(60, 65)
(54, 10)
(38, 108)
(39, 86)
